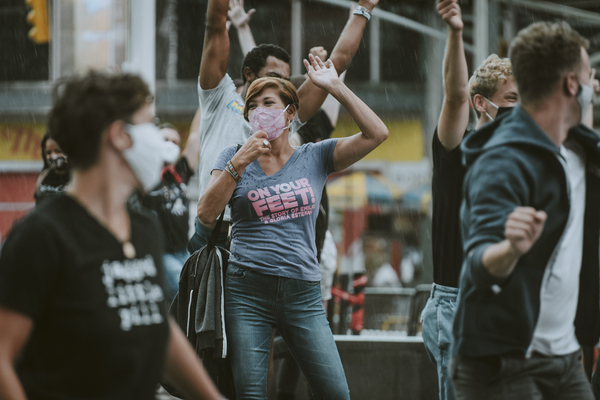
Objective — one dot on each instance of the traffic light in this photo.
(38, 17)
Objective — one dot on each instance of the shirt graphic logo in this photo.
(283, 201)
(236, 107)
(135, 297)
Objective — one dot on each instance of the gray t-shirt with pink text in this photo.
(274, 216)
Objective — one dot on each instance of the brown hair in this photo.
(541, 54)
(85, 105)
(486, 77)
(287, 91)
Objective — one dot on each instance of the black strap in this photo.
(212, 242)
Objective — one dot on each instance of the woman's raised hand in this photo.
(322, 74)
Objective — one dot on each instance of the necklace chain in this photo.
(126, 245)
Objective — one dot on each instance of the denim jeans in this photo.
(514, 377)
(437, 318)
(173, 263)
(255, 304)
(201, 237)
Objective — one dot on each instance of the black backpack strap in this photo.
(212, 242)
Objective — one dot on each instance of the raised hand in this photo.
(523, 228)
(368, 4)
(323, 75)
(252, 149)
(237, 15)
(449, 10)
(319, 51)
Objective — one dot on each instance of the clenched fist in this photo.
(524, 227)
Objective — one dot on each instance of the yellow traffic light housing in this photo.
(38, 17)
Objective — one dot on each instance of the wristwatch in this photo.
(362, 11)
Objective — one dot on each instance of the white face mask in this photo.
(584, 97)
(489, 101)
(148, 154)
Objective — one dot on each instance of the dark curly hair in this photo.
(84, 106)
(256, 59)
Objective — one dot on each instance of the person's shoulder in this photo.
(229, 150)
(41, 177)
(225, 84)
(42, 221)
(317, 146)
(502, 165)
(55, 208)
(142, 217)
(445, 152)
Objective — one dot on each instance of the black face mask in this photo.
(503, 110)
(59, 164)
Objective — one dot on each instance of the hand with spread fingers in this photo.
(237, 15)
(450, 12)
(524, 227)
(322, 74)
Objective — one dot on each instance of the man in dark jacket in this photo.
(525, 197)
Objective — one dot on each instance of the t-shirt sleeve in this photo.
(325, 150)
(210, 98)
(30, 263)
(443, 159)
(226, 154)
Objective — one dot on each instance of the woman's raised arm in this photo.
(373, 131)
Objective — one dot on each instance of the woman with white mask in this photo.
(272, 280)
(81, 297)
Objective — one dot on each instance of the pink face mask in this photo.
(270, 120)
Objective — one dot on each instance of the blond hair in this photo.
(486, 77)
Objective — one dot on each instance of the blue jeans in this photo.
(201, 237)
(173, 263)
(438, 317)
(255, 304)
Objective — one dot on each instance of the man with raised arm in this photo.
(490, 87)
(222, 121)
(530, 225)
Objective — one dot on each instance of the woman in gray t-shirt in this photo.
(273, 276)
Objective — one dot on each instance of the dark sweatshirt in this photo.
(512, 163)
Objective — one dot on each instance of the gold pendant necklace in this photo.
(128, 250)
(126, 246)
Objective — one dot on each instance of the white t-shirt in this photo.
(222, 124)
(555, 330)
